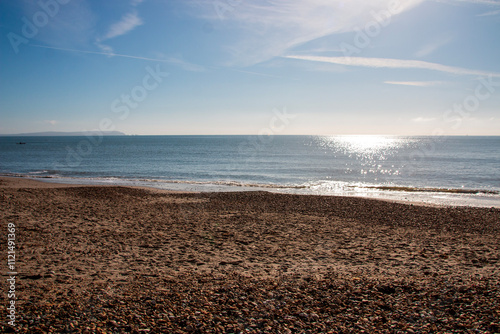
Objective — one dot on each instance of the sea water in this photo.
(443, 170)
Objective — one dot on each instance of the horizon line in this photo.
(121, 134)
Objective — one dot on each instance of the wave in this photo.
(434, 190)
(32, 175)
(225, 183)
(319, 187)
(55, 175)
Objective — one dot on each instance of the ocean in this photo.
(461, 170)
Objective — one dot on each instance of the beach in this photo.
(108, 259)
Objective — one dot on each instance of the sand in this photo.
(111, 259)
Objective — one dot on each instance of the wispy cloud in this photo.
(423, 119)
(51, 122)
(136, 2)
(415, 83)
(185, 65)
(127, 23)
(106, 49)
(484, 2)
(267, 29)
(491, 13)
(433, 46)
(394, 63)
(476, 2)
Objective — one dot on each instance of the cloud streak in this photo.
(482, 2)
(266, 29)
(433, 46)
(128, 23)
(102, 53)
(394, 63)
(136, 2)
(491, 13)
(171, 60)
(185, 65)
(423, 119)
(415, 83)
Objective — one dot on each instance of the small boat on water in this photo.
(21, 143)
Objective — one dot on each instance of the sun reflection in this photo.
(362, 144)
(367, 154)
(367, 143)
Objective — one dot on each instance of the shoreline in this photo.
(36, 183)
(28, 182)
(418, 196)
(120, 259)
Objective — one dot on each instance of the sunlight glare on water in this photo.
(365, 145)
(375, 154)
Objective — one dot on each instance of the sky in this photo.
(275, 67)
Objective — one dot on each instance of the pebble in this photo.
(226, 299)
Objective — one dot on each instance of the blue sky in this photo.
(414, 67)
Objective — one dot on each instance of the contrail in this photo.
(394, 63)
(145, 58)
(100, 53)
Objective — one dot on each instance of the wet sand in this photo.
(118, 259)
